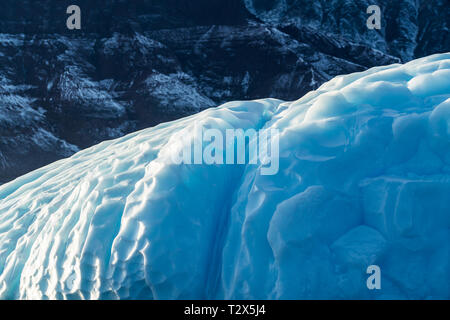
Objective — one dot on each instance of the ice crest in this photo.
(364, 179)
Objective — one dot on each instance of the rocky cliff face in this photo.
(409, 28)
(135, 64)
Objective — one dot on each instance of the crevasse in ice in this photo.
(364, 179)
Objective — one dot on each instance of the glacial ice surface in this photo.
(364, 179)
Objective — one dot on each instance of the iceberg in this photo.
(363, 180)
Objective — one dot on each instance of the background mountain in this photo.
(135, 64)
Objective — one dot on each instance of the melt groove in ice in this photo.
(364, 179)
